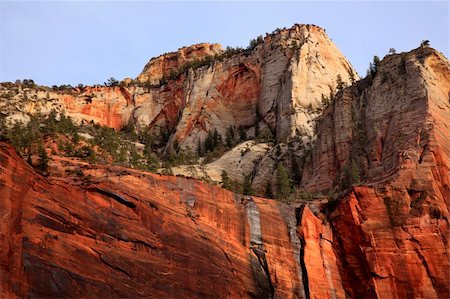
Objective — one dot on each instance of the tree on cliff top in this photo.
(112, 82)
(425, 43)
(373, 66)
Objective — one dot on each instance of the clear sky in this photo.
(88, 42)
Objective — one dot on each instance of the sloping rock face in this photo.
(123, 233)
(237, 162)
(278, 84)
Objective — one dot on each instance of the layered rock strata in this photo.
(382, 147)
(278, 84)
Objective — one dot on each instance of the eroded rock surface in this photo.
(107, 231)
(278, 84)
(123, 233)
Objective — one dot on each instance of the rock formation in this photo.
(275, 88)
(278, 83)
(393, 131)
(378, 161)
(116, 232)
(162, 66)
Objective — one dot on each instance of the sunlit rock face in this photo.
(278, 84)
(108, 231)
(164, 65)
(115, 232)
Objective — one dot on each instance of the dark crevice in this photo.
(304, 271)
(299, 214)
(115, 196)
(424, 151)
(104, 261)
(258, 250)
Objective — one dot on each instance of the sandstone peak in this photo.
(163, 65)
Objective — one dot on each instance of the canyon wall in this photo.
(393, 132)
(115, 232)
(379, 163)
(278, 84)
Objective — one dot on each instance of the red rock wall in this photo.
(391, 248)
(135, 235)
(124, 233)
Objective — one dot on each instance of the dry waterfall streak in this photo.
(258, 258)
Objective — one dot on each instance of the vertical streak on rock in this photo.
(187, 192)
(254, 222)
(327, 268)
(258, 262)
(289, 216)
(302, 256)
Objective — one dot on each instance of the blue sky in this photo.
(88, 42)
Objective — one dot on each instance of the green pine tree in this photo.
(268, 193)
(226, 183)
(339, 83)
(283, 182)
(43, 160)
(247, 186)
(355, 172)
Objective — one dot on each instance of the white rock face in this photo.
(278, 85)
(280, 81)
(237, 162)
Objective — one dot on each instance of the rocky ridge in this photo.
(291, 70)
(275, 89)
(380, 158)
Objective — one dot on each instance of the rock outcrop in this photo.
(278, 84)
(237, 163)
(114, 232)
(379, 164)
(106, 106)
(394, 127)
(391, 133)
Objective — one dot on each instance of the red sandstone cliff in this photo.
(393, 230)
(124, 233)
(116, 232)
